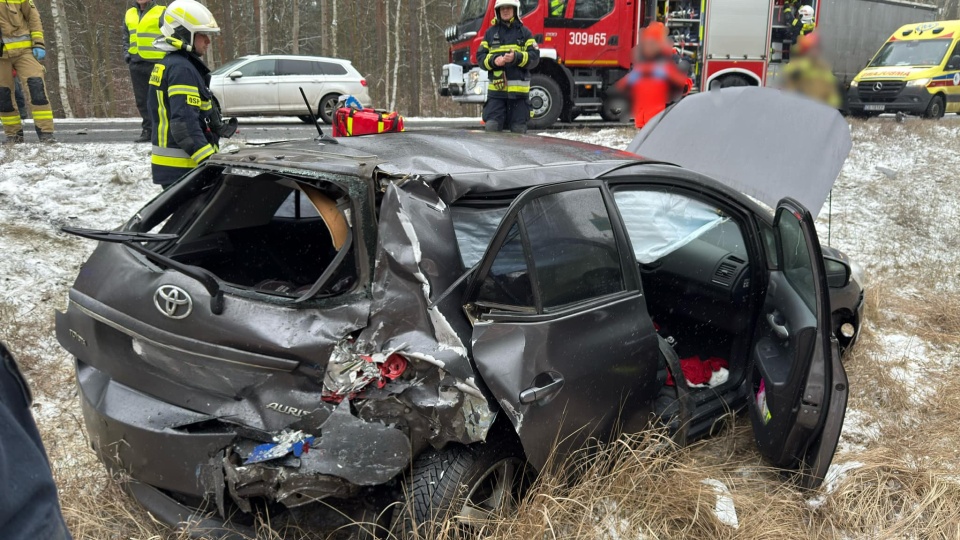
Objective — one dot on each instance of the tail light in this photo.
(363, 82)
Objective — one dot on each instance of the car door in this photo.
(799, 387)
(251, 88)
(294, 74)
(561, 333)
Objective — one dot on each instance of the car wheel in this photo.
(546, 101)
(305, 119)
(935, 109)
(466, 485)
(327, 108)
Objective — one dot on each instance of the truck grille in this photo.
(879, 91)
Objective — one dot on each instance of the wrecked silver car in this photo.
(308, 321)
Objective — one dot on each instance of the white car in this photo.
(269, 85)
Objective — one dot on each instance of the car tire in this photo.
(460, 482)
(936, 108)
(305, 119)
(546, 101)
(327, 107)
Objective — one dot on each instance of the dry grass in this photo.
(900, 449)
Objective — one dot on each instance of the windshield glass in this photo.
(473, 9)
(929, 52)
(228, 66)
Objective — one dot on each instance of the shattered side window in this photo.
(659, 223)
(508, 282)
(475, 228)
(574, 249)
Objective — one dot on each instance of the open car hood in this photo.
(766, 143)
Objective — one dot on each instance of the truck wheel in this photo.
(613, 109)
(935, 109)
(464, 484)
(546, 101)
(730, 81)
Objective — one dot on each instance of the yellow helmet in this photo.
(183, 19)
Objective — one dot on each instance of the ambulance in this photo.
(917, 71)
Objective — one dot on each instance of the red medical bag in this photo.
(350, 122)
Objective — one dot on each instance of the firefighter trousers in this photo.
(511, 113)
(31, 75)
(140, 77)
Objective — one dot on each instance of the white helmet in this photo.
(806, 14)
(183, 19)
(515, 4)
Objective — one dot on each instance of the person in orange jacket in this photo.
(655, 79)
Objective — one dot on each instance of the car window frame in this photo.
(629, 270)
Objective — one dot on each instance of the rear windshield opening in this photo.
(270, 233)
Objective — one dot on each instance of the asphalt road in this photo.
(73, 131)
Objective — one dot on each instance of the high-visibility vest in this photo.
(147, 33)
(132, 20)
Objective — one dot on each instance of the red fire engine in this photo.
(584, 52)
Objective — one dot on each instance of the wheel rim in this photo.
(936, 112)
(539, 101)
(495, 493)
(328, 108)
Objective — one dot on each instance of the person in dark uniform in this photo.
(29, 509)
(508, 52)
(187, 126)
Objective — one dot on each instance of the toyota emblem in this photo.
(878, 87)
(173, 302)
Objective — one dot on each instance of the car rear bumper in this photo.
(910, 100)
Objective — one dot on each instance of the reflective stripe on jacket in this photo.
(20, 26)
(511, 80)
(181, 106)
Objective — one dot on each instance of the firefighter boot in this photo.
(45, 137)
(16, 138)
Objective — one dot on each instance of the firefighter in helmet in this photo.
(803, 23)
(187, 126)
(142, 23)
(809, 74)
(23, 50)
(508, 52)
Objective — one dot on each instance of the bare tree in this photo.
(295, 46)
(63, 52)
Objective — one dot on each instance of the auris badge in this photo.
(173, 302)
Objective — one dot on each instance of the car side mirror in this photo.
(236, 75)
(838, 272)
(954, 63)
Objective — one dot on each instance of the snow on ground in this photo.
(895, 212)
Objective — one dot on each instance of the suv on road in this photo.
(269, 85)
(307, 321)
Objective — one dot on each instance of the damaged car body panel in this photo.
(382, 297)
(373, 372)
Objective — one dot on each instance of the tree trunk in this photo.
(396, 58)
(62, 52)
(324, 27)
(333, 31)
(432, 73)
(295, 46)
(260, 7)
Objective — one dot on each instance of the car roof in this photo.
(456, 162)
(295, 57)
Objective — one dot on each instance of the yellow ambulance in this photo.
(917, 71)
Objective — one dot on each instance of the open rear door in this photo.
(799, 387)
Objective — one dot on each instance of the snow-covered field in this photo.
(895, 210)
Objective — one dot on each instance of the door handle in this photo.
(780, 329)
(539, 393)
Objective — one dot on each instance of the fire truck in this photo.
(590, 47)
